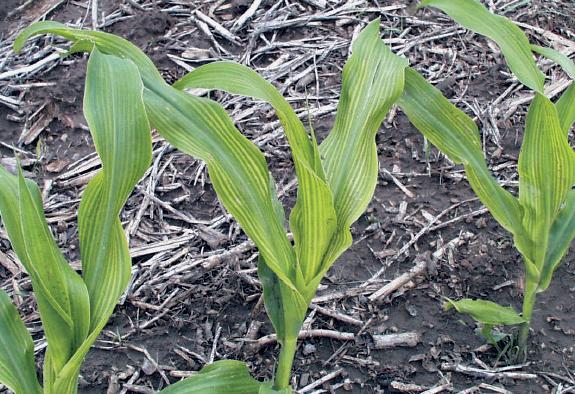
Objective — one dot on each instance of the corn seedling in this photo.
(542, 217)
(336, 179)
(75, 308)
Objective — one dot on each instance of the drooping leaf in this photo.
(312, 220)
(456, 135)
(106, 43)
(556, 56)
(546, 173)
(17, 369)
(514, 45)
(201, 128)
(485, 312)
(221, 377)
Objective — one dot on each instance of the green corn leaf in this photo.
(17, 369)
(106, 43)
(201, 128)
(312, 220)
(114, 110)
(456, 135)
(560, 238)
(546, 173)
(515, 46)
(221, 377)
(566, 108)
(556, 56)
(60, 292)
(237, 168)
(372, 82)
(115, 113)
(485, 312)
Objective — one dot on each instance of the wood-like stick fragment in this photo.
(404, 339)
(418, 269)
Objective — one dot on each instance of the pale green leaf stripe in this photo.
(486, 312)
(312, 220)
(114, 110)
(237, 168)
(456, 135)
(221, 377)
(17, 368)
(560, 238)
(556, 56)
(236, 78)
(566, 108)
(202, 128)
(546, 172)
(372, 82)
(515, 46)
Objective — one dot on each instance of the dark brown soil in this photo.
(485, 265)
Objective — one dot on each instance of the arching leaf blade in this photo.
(514, 45)
(312, 220)
(455, 134)
(237, 168)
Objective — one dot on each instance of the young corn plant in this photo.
(542, 217)
(336, 179)
(75, 308)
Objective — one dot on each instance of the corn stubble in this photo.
(126, 96)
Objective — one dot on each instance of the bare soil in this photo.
(209, 309)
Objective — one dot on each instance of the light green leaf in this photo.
(201, 128)
(237, 168)
(372, 82)
(561, 237)
(515, 46)
(566, 108)
(312, 220)
(60, 292)
(221, 377)
(106, 43)
(17, 369)
(546, 174)
(556, 56)
(485, 312)
(456, 135)
(114, 110)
